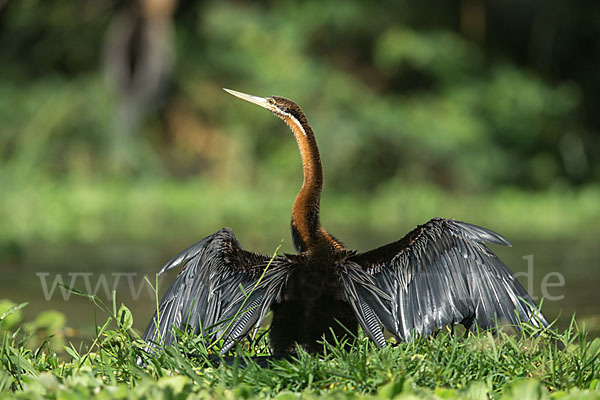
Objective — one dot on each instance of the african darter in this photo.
(439, 274)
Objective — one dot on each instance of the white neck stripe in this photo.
(295, 121)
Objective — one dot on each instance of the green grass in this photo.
(477, 366)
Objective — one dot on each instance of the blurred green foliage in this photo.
(47, 329)
(10, 315)
(466, 96)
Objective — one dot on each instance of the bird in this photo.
(440, 274)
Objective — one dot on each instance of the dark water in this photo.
(565, 272)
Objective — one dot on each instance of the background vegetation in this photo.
(114, 128)
(450, 100)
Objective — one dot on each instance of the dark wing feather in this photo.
(219, 291)
(369, 303)
(441, 273)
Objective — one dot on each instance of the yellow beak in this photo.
(261, 101)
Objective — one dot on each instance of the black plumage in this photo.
(439, 274)
(218, 281)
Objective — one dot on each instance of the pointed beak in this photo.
(261, 101)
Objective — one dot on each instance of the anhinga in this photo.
(439, 274)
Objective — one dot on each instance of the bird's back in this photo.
(312, 304)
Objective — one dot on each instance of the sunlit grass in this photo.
(534, 365)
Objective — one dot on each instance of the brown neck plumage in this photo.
(307, 232)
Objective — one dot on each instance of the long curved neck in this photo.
(306, 227)
(307, 232)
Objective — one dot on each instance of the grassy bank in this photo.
(447, 366)
(150, 210)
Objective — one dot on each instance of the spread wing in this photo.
(369, 303)
(441, 273)
(221, 291)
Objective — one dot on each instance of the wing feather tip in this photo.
(480, 234)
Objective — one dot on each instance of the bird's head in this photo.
(284, 108)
